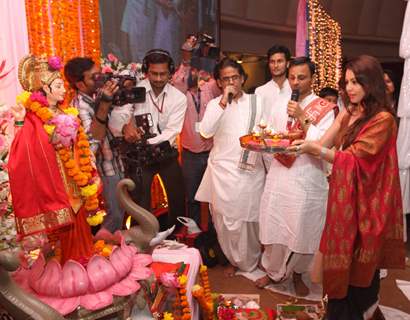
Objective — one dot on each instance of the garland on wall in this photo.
(64, 28)
(325, 46)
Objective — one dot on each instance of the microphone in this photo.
(294, 97)
(230, 97)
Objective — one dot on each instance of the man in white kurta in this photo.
(276, 93)
(293, 204)
(232, 192)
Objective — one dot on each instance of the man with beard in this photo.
(165, 106)
(276, 93)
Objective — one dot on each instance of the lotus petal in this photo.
(142, 260)
(125, 287)
(49, 282)
(21, 276)
(62, 305)
(101, 274)
(121, 262)
(95, 301)
(140, 273)
(37, 269)
(74, 279)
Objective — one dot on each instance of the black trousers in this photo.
(171, 175)
(357, 301)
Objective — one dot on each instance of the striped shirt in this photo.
(108, 161)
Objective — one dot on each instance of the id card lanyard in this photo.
(160, 109)
(197, 101)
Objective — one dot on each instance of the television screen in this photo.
(129, 28)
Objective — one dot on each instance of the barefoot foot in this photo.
(263, 282)
(229, 271)
(301, 289)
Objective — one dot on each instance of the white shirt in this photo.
(275, 101)
(169, 121)
(232, 191)
(293, 204)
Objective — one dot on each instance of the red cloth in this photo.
(364, 222)
(39, 198)
(314, 111)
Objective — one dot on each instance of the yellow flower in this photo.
(96, 219)
(49, 129)
(182, 280)
(203, 268)
(71, 111)
(89, 190)
(23, 97)
(168, 316)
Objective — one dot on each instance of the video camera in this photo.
(127, 90)
(206, 47)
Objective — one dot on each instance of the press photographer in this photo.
(165, 106)
(94, 102)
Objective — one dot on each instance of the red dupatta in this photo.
(364, 222)
(39, 198)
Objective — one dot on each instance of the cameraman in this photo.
(167, 106)
(80, 73)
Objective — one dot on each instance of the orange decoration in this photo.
(54, 29)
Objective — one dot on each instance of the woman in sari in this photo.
(364, 222)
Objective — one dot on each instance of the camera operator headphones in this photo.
(171, 65)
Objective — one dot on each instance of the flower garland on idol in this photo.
(66, 130)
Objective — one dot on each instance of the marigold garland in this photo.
(80, 172)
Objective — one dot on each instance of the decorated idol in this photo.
(55, 191)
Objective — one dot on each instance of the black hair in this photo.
(228, 62)
(328, 91)
(301, 61)
(75, 68)
(396, 81)
(278, 49)
(157, 56)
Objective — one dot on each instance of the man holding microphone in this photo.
(293, 204)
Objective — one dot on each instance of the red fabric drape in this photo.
(364, 223)
(40, 201)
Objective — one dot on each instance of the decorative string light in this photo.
(325, 48)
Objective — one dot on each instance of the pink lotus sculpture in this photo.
(93, 286)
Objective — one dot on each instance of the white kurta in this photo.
(275, 101)
(293, 204)
(403, 111)
(233, 192)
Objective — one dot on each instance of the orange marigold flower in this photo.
(84, 161)
(70, 164)
(83, 143)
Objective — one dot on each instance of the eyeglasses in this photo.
(233, 78)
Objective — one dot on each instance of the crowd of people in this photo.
(332, 200)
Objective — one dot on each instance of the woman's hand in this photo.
(303, 146)
(19, 112)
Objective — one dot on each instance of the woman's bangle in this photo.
(323, 152)
(19, 123)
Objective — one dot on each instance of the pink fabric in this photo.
(13, 46)
(190, 139)
(301, 29)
